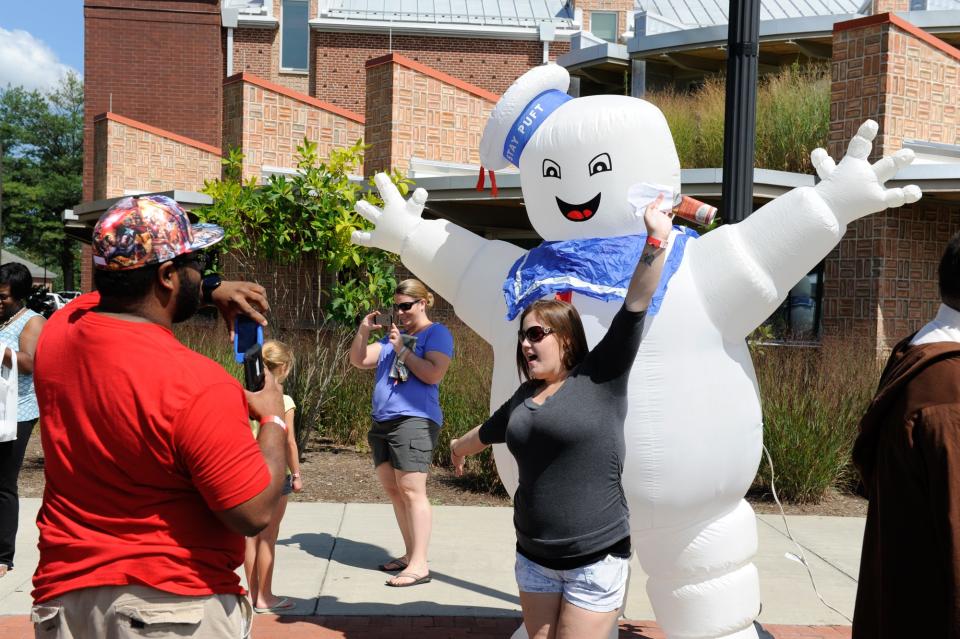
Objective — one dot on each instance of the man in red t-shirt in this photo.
(152, 476)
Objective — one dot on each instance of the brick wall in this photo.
(880, 283)
(156, 61)
(490, 64)
(416, 111)
(268, 121)
(256, 50)
(86, 267)
(889, 70)
(132, 156)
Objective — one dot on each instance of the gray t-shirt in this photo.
(570, 450)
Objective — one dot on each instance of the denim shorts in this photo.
(598, 587)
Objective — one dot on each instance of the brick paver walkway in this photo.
(274, 627)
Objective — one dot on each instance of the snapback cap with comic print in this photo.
(151, 229)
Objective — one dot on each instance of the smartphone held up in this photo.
(384, 320)
(246, 333)
(253, 373)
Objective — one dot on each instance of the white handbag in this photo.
(9, 396)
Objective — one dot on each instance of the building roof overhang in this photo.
(79, 221)
(703, 49)
(493, 32)
(455, 197)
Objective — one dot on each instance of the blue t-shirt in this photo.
(412, 398)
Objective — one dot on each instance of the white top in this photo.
(945, 327)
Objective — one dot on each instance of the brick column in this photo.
(416, 111)
(880, 282)
(887, 6)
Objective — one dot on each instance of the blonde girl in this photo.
(260, 551)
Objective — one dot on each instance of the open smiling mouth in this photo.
(579, 212)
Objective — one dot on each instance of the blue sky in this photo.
(39, 41)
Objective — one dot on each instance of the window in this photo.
(295, 35)
(798, 318)
(603, 24)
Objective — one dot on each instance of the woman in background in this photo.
(19, 329)
(411, 360)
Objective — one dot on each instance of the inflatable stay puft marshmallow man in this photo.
(693, 429)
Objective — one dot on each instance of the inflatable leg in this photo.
(702, 584)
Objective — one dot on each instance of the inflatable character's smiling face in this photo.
(576, 169)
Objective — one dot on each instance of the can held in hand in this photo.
(693, 210)
(642, 194)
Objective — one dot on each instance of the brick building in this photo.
(418, 87)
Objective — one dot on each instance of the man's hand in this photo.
(266, 401)
(241, 298)
(397, 219)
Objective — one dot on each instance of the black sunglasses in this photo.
(202, 259)
(405, 306)
(534, 333)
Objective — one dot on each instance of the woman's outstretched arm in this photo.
(646, 276)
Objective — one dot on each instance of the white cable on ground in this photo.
(801, 558)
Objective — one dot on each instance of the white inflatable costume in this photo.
(693, 430)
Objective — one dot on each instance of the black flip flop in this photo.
(417, 580)
(393, 565)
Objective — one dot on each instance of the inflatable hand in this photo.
(397, 219)
(854, 187)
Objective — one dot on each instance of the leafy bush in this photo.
(793, 116)
(812, 402)
(310, 214)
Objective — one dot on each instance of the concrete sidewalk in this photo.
(327, 556)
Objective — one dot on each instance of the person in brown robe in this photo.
(908, 456)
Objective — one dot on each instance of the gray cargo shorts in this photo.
(406, 442)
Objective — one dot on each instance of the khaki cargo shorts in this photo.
(137, 611)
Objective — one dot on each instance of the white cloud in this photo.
(28, 62)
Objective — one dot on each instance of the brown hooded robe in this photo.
(908, 455)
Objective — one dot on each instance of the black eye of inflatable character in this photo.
(551, 169)
(600, 164)
(579, 212)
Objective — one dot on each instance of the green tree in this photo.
(309, 214)
(42, 165)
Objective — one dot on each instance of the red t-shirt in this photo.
(143, 440)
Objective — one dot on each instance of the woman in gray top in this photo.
(564, 426)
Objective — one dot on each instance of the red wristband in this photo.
(655, 242)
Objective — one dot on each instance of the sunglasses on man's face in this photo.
(201, 259)
(534, 334)
(405, 306)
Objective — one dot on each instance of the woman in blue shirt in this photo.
(20, 330)
(410, 360)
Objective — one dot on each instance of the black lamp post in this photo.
(740, 122)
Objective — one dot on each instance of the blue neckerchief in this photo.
(596, 267)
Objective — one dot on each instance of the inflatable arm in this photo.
(462, 267)
(745, 270)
